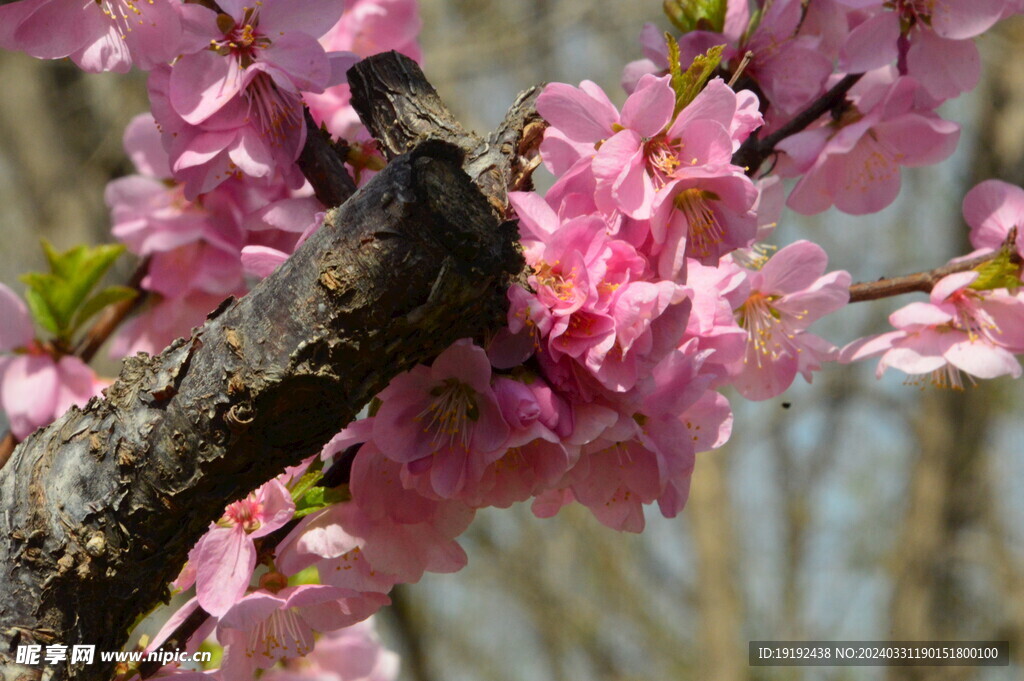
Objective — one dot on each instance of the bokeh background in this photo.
(850, 509)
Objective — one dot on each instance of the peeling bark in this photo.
(98, 511)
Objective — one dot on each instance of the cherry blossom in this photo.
(958, 330)
(992, 209)
(443, 421)
(109, 35)
(854, 163)
(789, 293)
(35, 386)
(225, 556)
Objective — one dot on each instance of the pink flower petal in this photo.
(794, 267)
(202, 83)
(261, 261)
(312, 17)
(224, 565)
(991, 209)
(983, 360)
(60, 27)
(16, 330)
(649, 109)
(28, 392)
(872, 44)
(579, 116)
(251, 611)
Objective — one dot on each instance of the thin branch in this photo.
(921, 281)
(754, 151)
(7, 446)
(323, 163)
(112, 316)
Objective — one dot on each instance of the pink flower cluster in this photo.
(963, 328)
(915, 55)
(199, 249)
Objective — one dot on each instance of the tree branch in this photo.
(103, 506)
(920, 281)
(400, 116)
(753, 151)
(323, 163)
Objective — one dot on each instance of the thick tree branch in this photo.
(102, 506)
(398, 105)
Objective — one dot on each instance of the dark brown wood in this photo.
(754, 151)
(323, 163)
(400, 108)
(98, 511)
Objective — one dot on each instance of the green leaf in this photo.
(73, 274)
(309, 575)
(1000, 272)
(304, 484)
(317, 498)
(674, 67)
(108, 296)
(696, 15)
(689, 83)
(40, 310)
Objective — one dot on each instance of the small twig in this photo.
(7, 445)
(924, 281)
(747, 56)
(323, 163)
(113, 316)
(754, 151)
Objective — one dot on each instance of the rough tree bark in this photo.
(98, 511)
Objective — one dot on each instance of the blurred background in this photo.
(851, 509)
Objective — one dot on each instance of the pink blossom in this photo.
(538, 451)
(443, 421)
(703, 218)
(958, 330)
(855, 162)
(785, 297)
(108, 35)
(169, 318)
(790, 47)
(389, 533)
(788, 63)
(615, 482)
(236, 107)
(36, 387)
(230, 142)
(717, 291)
(260, 52)
(354, 653)
(938, 51)
(992, 209)
(267, 625)
(366, 28)
(226, 555)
